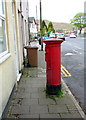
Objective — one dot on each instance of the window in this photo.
(1, 7)
(3, 42)
(2, 37)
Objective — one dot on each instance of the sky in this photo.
(56, 10)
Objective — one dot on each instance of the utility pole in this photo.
(28, 24)
(41, 26)
(36, 21)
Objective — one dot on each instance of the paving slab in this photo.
(31, 101)
(58, 109)
(21, 95)
(38, 95)
(31, 90)
(19, 109)
(30, 116)
(55, 116)
(47, 101)
(70, 115)
(39, 109)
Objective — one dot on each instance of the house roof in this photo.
(31, 19)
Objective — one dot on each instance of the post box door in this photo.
(48, 57)
(53, 64)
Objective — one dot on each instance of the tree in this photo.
(50, 27)
(79, 21)
(44, 24)
(44, 27)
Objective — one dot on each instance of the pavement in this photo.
(29, 99)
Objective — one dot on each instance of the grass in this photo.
(60, 94)
(26, 74)
(53, 97)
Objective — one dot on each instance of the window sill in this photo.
(4, 58)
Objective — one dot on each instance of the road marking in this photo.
(65, 72)
(69, 54)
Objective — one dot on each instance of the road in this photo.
(73, 61)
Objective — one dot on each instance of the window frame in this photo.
(3, 18)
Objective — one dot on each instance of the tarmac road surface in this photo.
(73, 60)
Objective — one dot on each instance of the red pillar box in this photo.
(53, 65)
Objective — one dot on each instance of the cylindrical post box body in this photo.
(53, 65)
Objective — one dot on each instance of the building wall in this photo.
(23, 25)
(17, 37)
(21, 39)
(7, 62)
(33, 28)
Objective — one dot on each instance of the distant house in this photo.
(13, 38)
(32, 26)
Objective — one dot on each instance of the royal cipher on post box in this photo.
(53, 65)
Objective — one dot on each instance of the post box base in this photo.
(53, 89)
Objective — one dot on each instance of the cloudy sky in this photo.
(56, 10)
